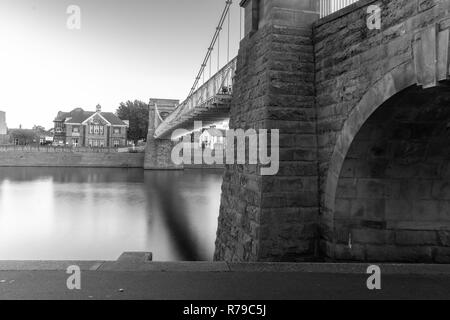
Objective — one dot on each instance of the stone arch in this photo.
(395, 81)
(391, 200)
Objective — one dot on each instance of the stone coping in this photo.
(147, 266)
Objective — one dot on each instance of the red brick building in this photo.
(79, 128)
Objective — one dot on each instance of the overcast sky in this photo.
(125, 50)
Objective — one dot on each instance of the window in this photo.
(96, 129)
(91, 129)
(101, 143)
(95, 143)
(101, 130)
(90, 142)
(116, 143)
(76, 130)
(116, 130)
(58, 129)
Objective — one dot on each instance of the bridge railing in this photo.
(328, 7)
(219, 84)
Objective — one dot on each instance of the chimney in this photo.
(99, 108)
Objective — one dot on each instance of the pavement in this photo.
(134, 276)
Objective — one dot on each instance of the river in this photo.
(96, 214)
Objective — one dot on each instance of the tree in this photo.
(137, 113)
(38, 129)
(24, 136)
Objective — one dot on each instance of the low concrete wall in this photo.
(17, 158)
(71, 159)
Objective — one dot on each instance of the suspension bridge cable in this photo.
(218, 52)
(228, 45)
(225, 12)
(210, 67)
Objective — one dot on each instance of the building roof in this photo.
(113, 119)
(13, 130)
(78, 116)
(44, 133)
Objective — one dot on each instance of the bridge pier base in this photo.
(158, 154)
(274, 218)
(158, 151)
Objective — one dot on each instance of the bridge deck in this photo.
(214, 110)
(209, 104)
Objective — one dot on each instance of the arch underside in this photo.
(387, 194)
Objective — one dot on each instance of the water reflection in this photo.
(92, 213)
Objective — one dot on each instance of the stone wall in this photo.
(274, 218)
(71, 159)
(158, 154)
(321, 83)
(357, 70)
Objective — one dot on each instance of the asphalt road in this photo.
(218, 285)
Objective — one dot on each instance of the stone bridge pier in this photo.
(158, 151)
(364, 120)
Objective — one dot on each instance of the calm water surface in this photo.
(90, 214)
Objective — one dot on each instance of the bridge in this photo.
(209, 104)
(360, 92)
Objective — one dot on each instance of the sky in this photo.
(124, 50)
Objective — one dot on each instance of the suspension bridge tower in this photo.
(274, 218)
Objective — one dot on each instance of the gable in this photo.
(97, 118)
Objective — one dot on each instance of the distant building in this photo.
(4, 137)
(23, 137)
(3, 127)
(212, 137)
(79, 128)
(45, 136)
(28, 137)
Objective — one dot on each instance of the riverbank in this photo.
(51, 157)
(134, 277)
(71, 159)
